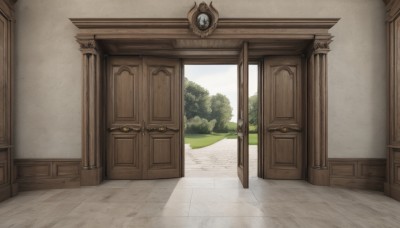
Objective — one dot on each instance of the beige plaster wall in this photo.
(48, 69)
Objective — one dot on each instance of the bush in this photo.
(199, 125)
(253, 129)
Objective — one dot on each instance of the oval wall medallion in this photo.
(203, 19)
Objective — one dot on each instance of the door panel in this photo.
(283, 137)
(161, 93)
(163, 110)
(125, 145)
(163, 155)
(125, 91)
(242, 128)
(124, 162)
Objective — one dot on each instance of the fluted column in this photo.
(91, 173)
(317, 109)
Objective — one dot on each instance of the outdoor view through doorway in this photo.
(210, 120)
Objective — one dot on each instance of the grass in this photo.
(197, 141)
(202, 140)
(253, 139)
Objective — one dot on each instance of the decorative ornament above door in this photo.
(203, 19)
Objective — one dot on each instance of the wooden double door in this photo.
(144, 109)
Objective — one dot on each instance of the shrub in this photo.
(199, 125)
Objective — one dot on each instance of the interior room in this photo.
(117, 113)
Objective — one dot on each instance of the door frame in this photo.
(94, 34)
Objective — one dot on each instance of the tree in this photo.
(197, 100)
(253, 110)
(221, 111)
(198, 125)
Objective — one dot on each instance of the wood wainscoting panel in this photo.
(5, 176)
(343, 169)
(3, 173)
(397, 174)
(34, 174)
(394, 171)
(361, 173)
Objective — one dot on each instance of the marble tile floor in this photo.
(200, 202)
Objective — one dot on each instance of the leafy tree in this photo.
(221, 111)
(197, 100)
(199, 125)
(253, 110)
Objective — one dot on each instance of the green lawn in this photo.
(202, 140)
(253, 139)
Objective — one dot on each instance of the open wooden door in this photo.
(242, 124)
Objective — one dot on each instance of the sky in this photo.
(221, 79)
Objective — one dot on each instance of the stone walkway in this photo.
(217, 160)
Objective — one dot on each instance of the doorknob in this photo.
(124, 129)
(241, 127)
(284, 129)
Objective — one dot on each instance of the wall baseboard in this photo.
(35, 174)
(360, 173)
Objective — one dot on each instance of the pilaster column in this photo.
(91, 173)
(317, 110)
(392, 183)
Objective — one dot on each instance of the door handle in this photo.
(284, 129)
(241, 127)
(161, 129)
(124, 129)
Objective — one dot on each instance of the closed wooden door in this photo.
(144, 118)
(124, 114)
(242, 124)
(283, 118)
(162, 118)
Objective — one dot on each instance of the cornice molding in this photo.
(101, 23)
(178, 28)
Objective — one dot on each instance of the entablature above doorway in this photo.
(173, 37)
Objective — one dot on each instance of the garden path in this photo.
(217, 160)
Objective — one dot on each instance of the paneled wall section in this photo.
(33, 174)
(357, 173)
